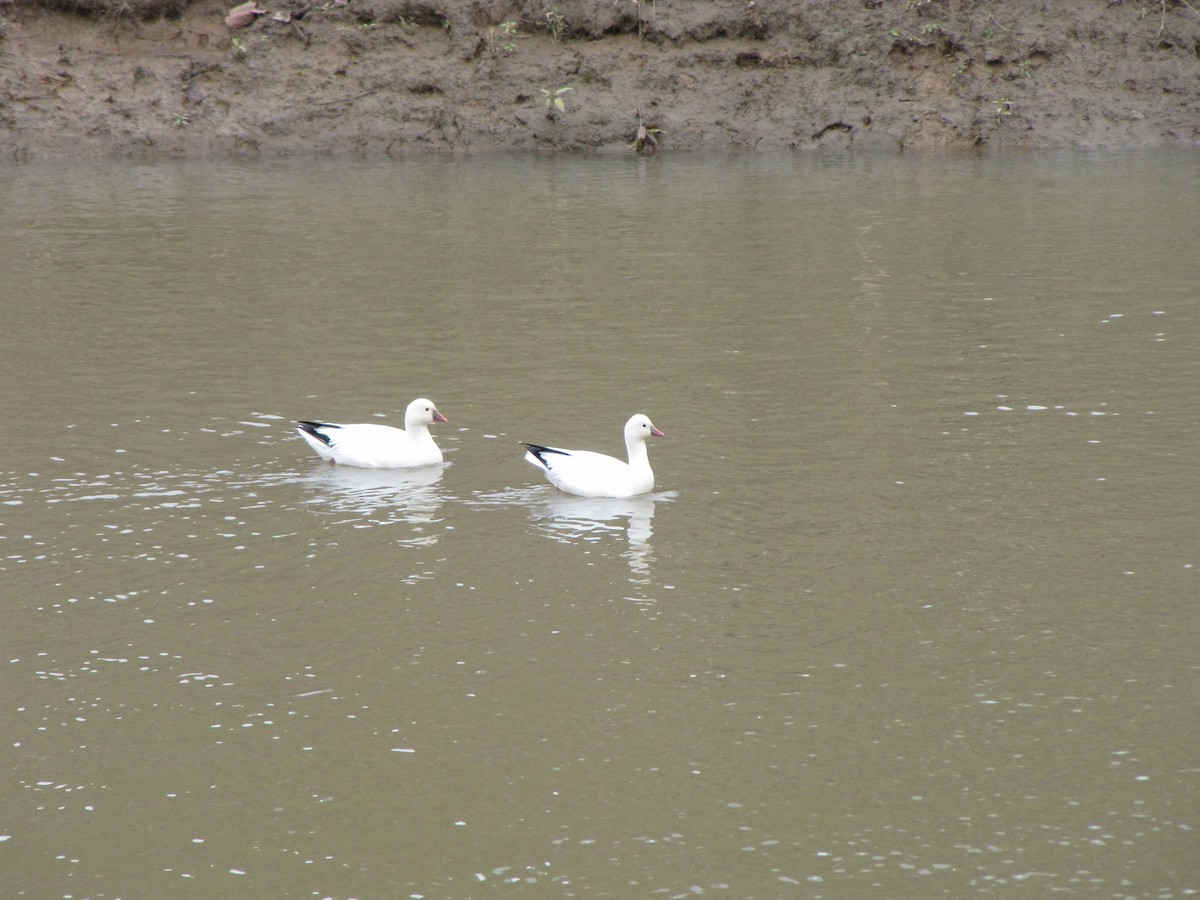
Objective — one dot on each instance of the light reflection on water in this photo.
(380, 497)
(589, 520)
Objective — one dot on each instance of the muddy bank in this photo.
(144, 78)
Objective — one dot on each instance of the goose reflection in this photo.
(572, 519)
(381, 496)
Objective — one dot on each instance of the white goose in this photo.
(589, 474)
(378, 446)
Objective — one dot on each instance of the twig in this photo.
(348, 99)
(1162, 19)
(1008, 30)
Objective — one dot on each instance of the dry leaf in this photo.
(241, 16)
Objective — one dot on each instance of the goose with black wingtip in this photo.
(589, 474)
(371, 446)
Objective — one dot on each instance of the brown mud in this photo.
(84, 79)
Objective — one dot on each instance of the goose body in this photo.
(589, 474)
(373, 446)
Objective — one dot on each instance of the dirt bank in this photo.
(169, 78)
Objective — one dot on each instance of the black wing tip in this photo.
(313, 428)
(539, 451)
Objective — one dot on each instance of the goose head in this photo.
(422, 412)
(640, 428)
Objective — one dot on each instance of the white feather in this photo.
(589, 474)
(373, 446)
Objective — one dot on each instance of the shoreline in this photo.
(399, 78)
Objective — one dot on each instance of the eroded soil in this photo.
(141, 78)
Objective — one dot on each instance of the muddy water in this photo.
(912, 612)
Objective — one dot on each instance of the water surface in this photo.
(911, 613)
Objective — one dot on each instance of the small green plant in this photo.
(407, 26)
(1025, 69)
(1004, 107)
(555, 104)
(238, 47)
(510, 30)
(556, 22)
(180, 120)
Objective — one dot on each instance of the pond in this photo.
(911, 612)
